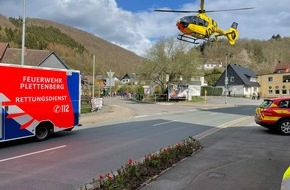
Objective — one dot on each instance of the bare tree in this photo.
(170, 60)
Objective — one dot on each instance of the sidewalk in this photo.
(107, 113)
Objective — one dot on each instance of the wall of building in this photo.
(52, 62)
(274, 85)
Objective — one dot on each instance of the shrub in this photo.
(211, 91)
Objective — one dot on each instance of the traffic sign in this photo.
(110, 82)
(110, 74)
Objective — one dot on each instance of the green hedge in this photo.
(211, 91)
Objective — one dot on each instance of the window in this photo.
(125, 80)
(284, 104)
(277, 91)
(270, 79)
(270, 91)
(266, 104)
(284, 91)
(232, 79)
(253, 79)
(286, 78)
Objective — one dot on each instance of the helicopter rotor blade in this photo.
(202, 10)
(174, 11)
(239, 9)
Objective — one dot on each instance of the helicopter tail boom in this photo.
(233, 33)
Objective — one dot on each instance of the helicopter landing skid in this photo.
(187, 38)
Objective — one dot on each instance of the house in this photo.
(129, 78)
(199, 80)
(32, 57)
(240, 81)
(88, 80)
(208, 66)
(282, 67)
(276, 84)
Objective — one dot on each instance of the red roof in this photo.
(282, 67)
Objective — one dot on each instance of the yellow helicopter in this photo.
(201, 26)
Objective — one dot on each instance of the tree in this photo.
(211, 76)
(275, 37)
(170, 60)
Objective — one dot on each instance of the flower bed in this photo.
(135, 174)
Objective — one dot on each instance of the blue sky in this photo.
(135, 25)
(136, 6)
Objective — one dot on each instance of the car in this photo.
(274, 114)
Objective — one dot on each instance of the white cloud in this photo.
(137, 31)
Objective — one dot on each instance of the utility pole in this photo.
(23, 32)
(94, 63)
(226, 79)
(93, 100)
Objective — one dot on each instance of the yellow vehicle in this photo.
(201, 26)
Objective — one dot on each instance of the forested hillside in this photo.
(260, 56)
(76, 47)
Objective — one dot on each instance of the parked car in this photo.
(274, 114)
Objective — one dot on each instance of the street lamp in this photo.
(226, 79)
(23, 32)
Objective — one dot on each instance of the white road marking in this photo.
(140, 116)
(216, 129)
(32, 153)
(165, 123)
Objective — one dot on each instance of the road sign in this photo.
(110, 82)
(110, 74)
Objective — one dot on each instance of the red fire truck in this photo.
(37, 101)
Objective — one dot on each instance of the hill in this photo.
(259, 55)
(75, 46)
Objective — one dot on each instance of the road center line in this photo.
(32, 153)
(165, 123)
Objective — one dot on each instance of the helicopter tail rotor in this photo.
(233, 33)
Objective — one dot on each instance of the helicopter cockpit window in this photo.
(187, 19)
(202, 22)
(195, 20)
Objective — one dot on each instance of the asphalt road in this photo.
(71, 159)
